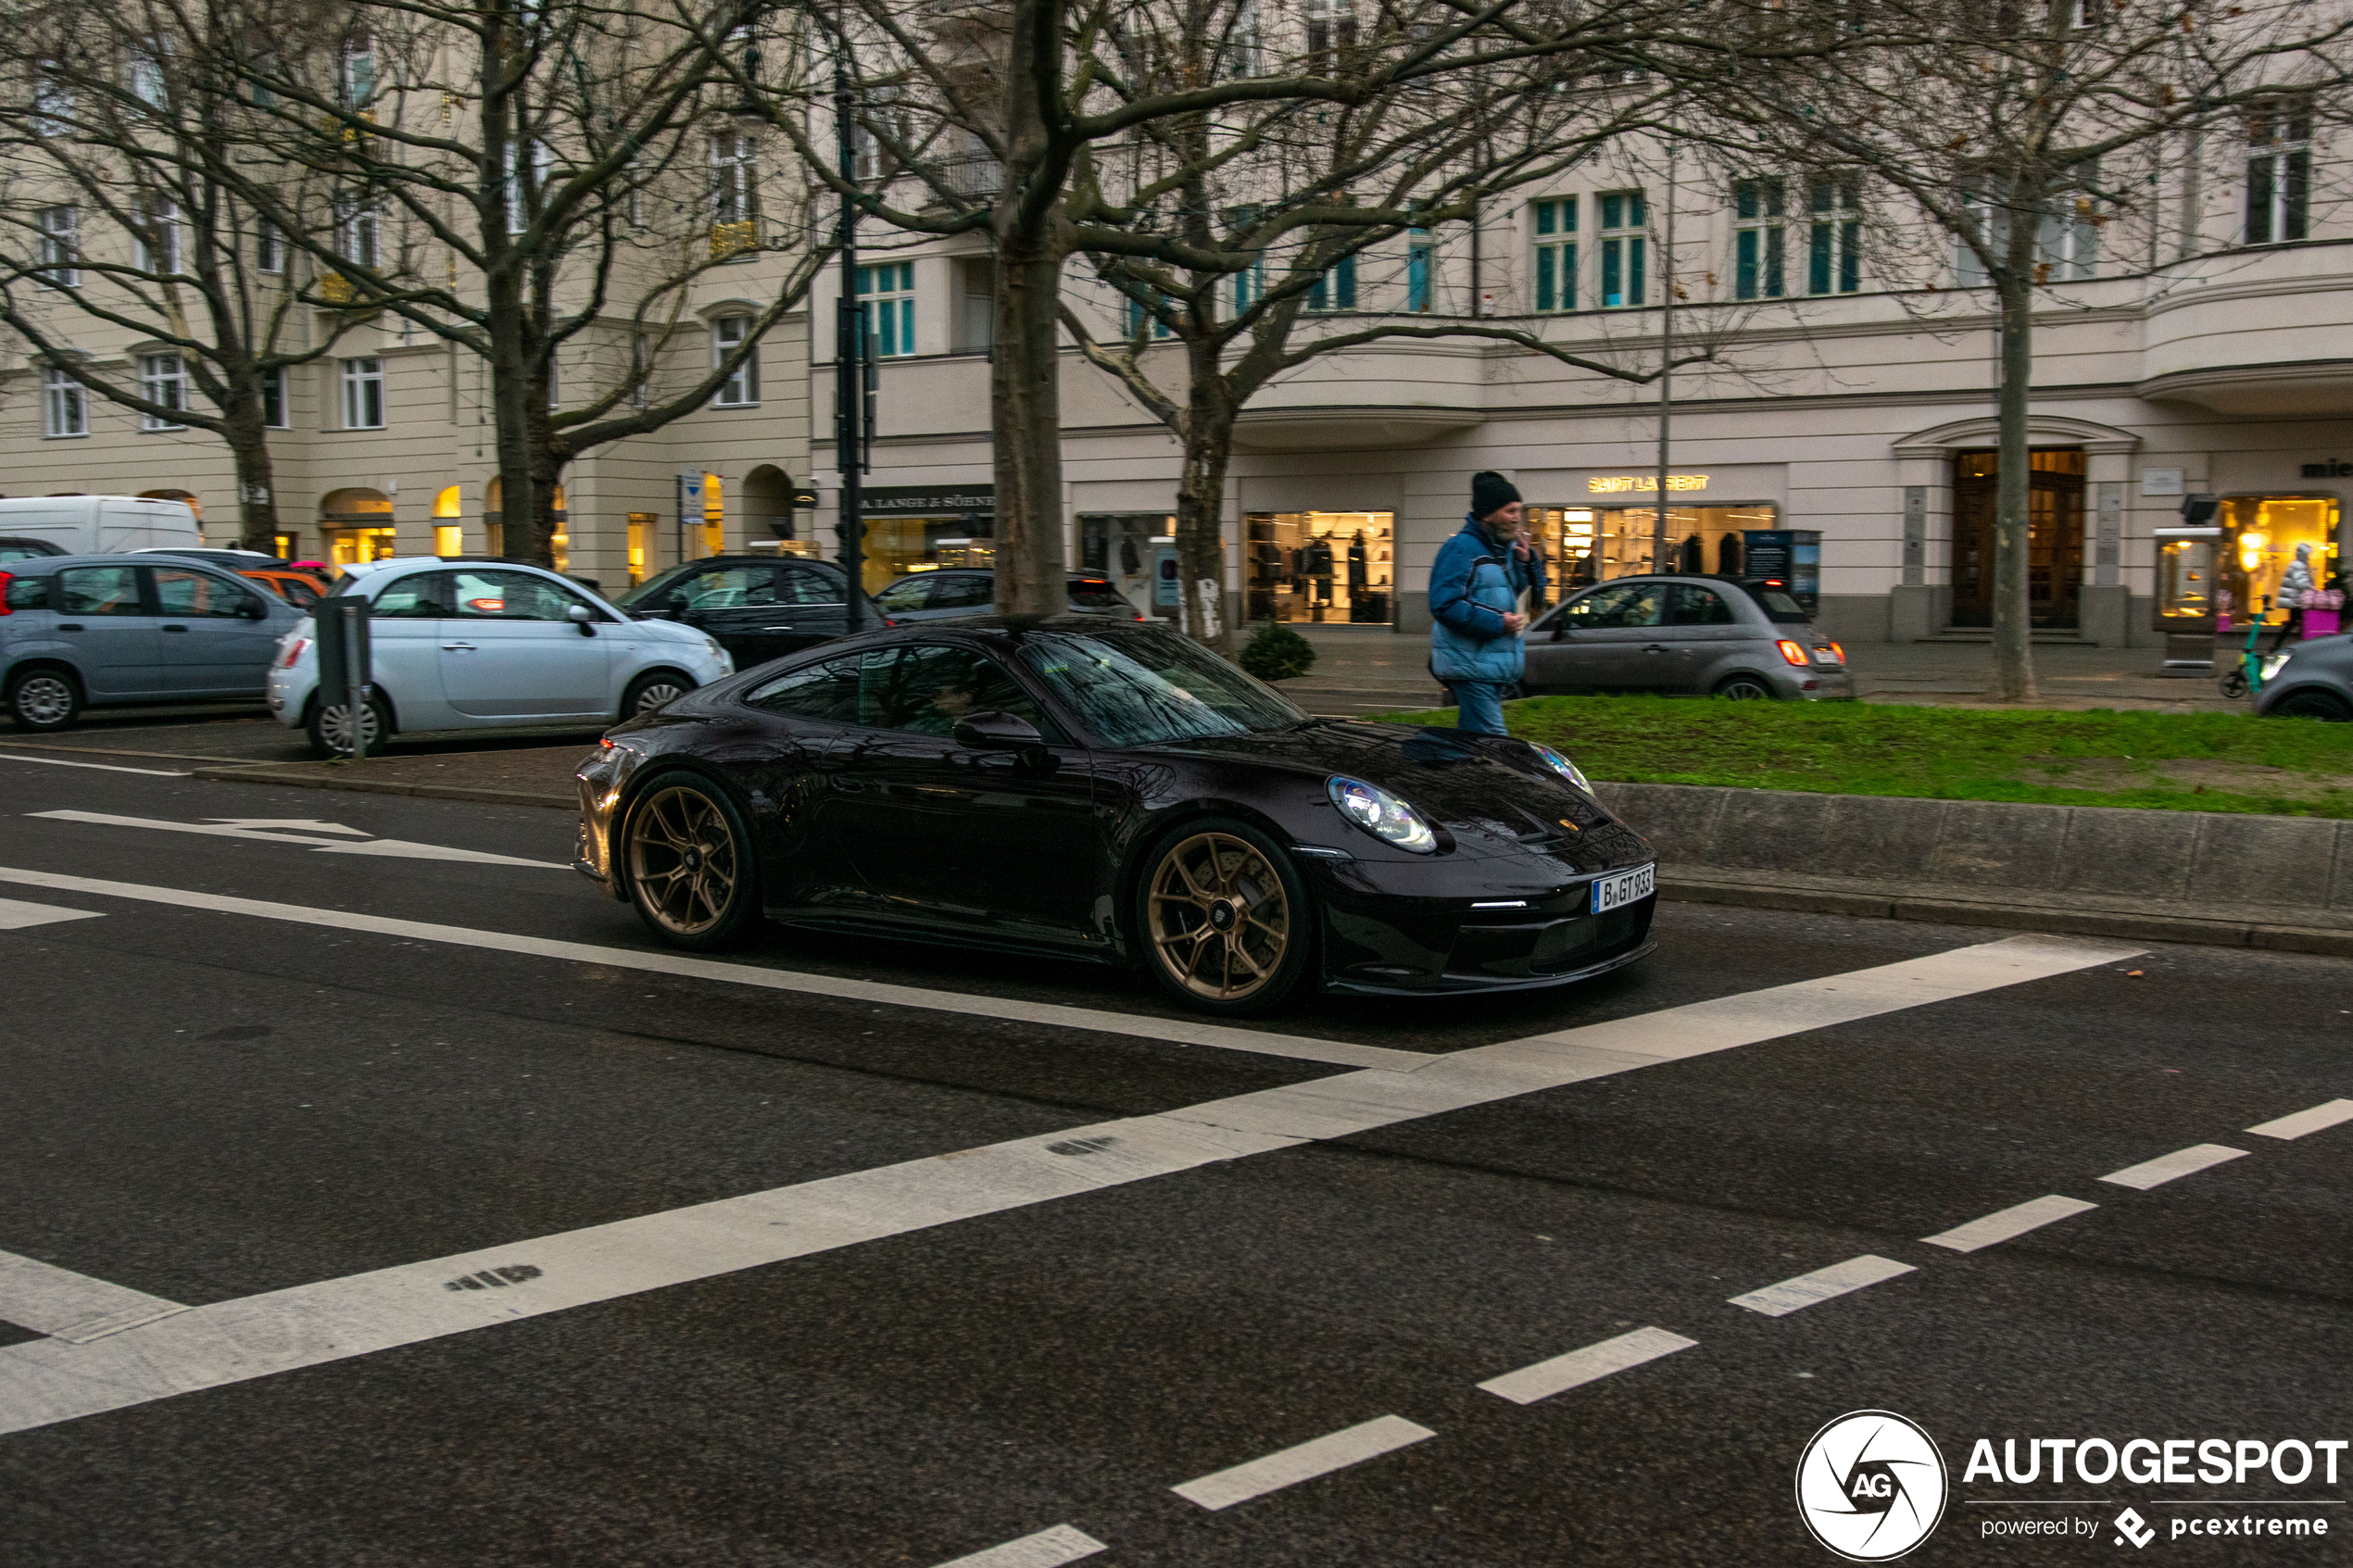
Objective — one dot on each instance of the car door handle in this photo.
(175, 628)
(776, 628)
(458, 647)
(1658, 648)
(70, 626)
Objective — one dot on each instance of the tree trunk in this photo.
(539, 544)
(1025, 393)
(1201, 503)
(256, 497)
(510, 395)
(2013, 647)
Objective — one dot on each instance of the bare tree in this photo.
(2013, 132)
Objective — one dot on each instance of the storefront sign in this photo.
(1621, 483)
(2338, 470)
(927, 500)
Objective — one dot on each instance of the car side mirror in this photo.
(584, 618)
(995, 731)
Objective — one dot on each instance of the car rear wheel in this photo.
(44, 699)
(2311, 704)
(1744, 688)
(690, 863)
(653, 691)
(1227, 923)
(330, 728)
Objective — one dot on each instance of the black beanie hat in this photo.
(1490, 493)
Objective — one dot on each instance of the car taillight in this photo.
(1794, 654)
(294, 651)
(1838, 652)
(5, 578)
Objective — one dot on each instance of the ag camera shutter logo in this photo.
(1871, 1486)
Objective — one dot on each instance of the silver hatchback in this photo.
(1718, 636)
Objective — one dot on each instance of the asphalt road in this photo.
(319, 1088)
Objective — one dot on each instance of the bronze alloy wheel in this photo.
(684, 862)
(1218, 917)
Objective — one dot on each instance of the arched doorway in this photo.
(493, 526)
(356, 523)
(767, 504)
(448, 532)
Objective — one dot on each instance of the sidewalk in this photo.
(1368, 669)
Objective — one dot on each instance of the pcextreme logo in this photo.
(1871, 1486)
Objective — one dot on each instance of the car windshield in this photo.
(1148, 686)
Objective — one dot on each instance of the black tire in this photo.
(2311, 704)
(1223, 922)
(688, 857)
(1744, 688)
(2234, 683)
(45, 698)
(652, 691)
(329, 736)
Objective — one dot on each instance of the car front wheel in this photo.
(690, 863)
(43, 700)
(1227, 925)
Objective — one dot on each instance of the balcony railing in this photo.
(972, 174)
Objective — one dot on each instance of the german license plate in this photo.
(1615, 892)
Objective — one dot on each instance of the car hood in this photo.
(1490, 805)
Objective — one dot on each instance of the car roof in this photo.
(47, 563)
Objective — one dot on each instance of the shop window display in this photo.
(1587, 545)
(2260, 553)
(1321, 567)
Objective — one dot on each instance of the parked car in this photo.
(28, 549)
(954, 591)
(300, 589)
(101, 524)
(86, 630)
(2308, 680)
(759, 608)
(238, 561)
(1740, 637)
(460, 644)
(1093, 788)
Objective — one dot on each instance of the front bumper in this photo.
(1384, 942)
(600, 778)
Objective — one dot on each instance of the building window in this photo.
(143, 73)
(2279, 172)
(641, 371)
(363, 394)
(1556, 226)
(889, 293)
(1759, 241)
(740, 390)
(1331, 33)
(163, 379)
(1625, 249)
(63, 410)
(2066, 239)
(268, 247)
(733, 218)
(1336, 290)
(1136, 315)
(1244, 53)
(159, 235)
(273, 398)
(1250, 284)
(61, 246)
(359, 82)
(52, 101)
(1421, 263)
(527, 183)
(1834, 239)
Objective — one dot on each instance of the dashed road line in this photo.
(400, 849)
(2005, 1224)
(72, 1307)
(1047, 1549)
(1303, 1461)
(2319, 1119)
(102, 767)
(1822, 1285)
(2171, 1167)
(232, 1341)
(16, 914)
(1560, 1374)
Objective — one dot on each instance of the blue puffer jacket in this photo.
(1473, 585)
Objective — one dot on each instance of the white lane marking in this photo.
(307, 1325)
(297, 824)
(1305, 1461)
(395, 847)
(48, 1300)
(1047, 1549)
(16, 914)
(2319, 1119)
(1779, 1300)
(102, 767)
(1560, 1374)
(1175, 1031)
(2005, 1223)
(2168, 1167)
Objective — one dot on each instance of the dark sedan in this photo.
(955, 591)
(757, 607)
(1093, 788)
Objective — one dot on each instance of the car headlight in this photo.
(1562, 765)
(1382, 815)
(2272, 662)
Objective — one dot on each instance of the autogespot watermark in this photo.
(1871, 1486)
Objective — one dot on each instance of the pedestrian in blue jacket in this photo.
(1474, 604)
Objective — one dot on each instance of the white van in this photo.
(101, 525)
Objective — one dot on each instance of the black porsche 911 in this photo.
(1077, 786)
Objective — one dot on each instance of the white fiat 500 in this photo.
(464, 645)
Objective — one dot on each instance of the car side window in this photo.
(1620, 603)
(802, 586)
(732, 587)
(1690, 605)
(423, 597)
(905, 596)
(839, 690)
(99, 590)
(301, 595)
(29, 593)
(963, 592)
(194, 595)
(15, 550)
(509, 595)
(933, 687)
